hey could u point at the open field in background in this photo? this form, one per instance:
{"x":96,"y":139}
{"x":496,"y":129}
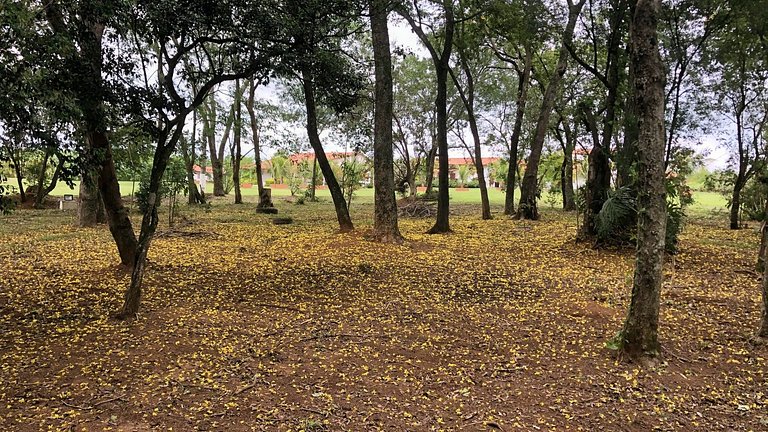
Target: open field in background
{"x":706,"y":203}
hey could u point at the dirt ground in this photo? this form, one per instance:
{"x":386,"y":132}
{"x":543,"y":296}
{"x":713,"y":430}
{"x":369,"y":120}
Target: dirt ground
{"x":246,"y":325}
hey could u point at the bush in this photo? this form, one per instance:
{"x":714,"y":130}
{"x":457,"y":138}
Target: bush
{"x":617,"y":220}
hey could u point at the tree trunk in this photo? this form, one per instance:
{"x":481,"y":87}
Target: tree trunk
{"x":166,"y":145}
{"x":763,"y":242}
{"x":237,"y":150}
{"x":640,"y":332}
{"x":342,"y":211}
{"x":265,"y":200}
{"x":441,"y":62}
{"x":468,"y":99}
{"x":735,"y":210}
{"x":109,"y":189}
{"x":566,"y":172}
{"x":598,"y":176}
{"x":529,"y":190}
{"x":90,"y":210}
{"x":763,"y":332}
{"x":217,"y":152}
{"x":385,"y":227}
{"x":514,"y":145}
{"x":16,"y":161}
{"x":188,"y":152}
{"x":430,"y":170}
{"x":39,"y":195}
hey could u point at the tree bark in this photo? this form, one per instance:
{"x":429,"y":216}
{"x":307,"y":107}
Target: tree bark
{"x":265,"y":200}
{"x":90,"y":210}
{"x":468,"y":99}
{"x":598,"y":176}
{"x":385,"y":228}
{"x":514,"y":145}
{"x":441,"y":62}
{"x":735,"y":209}
{"x":342,"y":211}
{"x":430,"y":170}
{"x":640,"y":332}
{"x":568,"y":143}
{"x":41,"y":180}
{"x":763,"y":332}
{"x":237,"y":151}
{"x":528,"y":208}
{"x":109,"y":189}
{"x":217,"y":151}
{"x":165,"y":148}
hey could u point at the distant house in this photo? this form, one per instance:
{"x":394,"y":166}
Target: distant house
{"x":202,"y":179}
{"x":455,"y":163}
{"x":333,"y":157}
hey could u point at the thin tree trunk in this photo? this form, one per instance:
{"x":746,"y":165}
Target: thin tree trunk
{"x":514,"y":145}
{"x":640,"y":332}
{"x":736,"y":203}
{"x":265,"y":201}
{"x":468,"y":99}
{"x":441,"y":62}
{"x":237,"y":153}
{"x":342,"y":211}
{"x":14,"y":154}
{"x":385,"y":226}
{"x":528,"y":208}
{"x":430,"y":170}
{"x":39,"y":195}
{"x":109,"y":189}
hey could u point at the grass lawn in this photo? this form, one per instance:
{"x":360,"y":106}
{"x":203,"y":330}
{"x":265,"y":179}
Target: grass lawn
{"x":706,"y":203}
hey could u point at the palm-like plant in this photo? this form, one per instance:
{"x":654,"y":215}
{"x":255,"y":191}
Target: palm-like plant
{"x":279,"y":168}
{"x":463,"y":173}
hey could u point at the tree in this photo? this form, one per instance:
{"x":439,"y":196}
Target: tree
{"x":236,"y":150}
{"x":216,"y":151}
{"x":465,"y":41}
{"x":326,"y":76}
{"x":265,"y":200}
{"x":80,"y":30}
{"x":177,"y":37}
{"x":514,"y":31}
{"x":529,"y":188}
{"x":414,"y":118}
{"x":609,"y":76}
{"x":441,"y":59}
{"x":640,"y":333}
{"x":385,"y":211}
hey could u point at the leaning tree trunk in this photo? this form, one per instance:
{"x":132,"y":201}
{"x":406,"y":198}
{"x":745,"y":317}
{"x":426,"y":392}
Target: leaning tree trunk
{"x":514,"y":145}
{"x":41,"y":180}
{"x":430,"y":170}
{"x":385,"y":227}
{"x":468,"y":99}
{"x":165,"y":148}
{"x":237,"y":150}
{"x":265,"y":200}
{"x":342,"y":211}
{"x":640,"y":333}
{"x":529,"y":190}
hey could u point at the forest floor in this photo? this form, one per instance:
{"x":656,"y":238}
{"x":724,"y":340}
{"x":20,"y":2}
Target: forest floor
{"x":246,"y":325}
